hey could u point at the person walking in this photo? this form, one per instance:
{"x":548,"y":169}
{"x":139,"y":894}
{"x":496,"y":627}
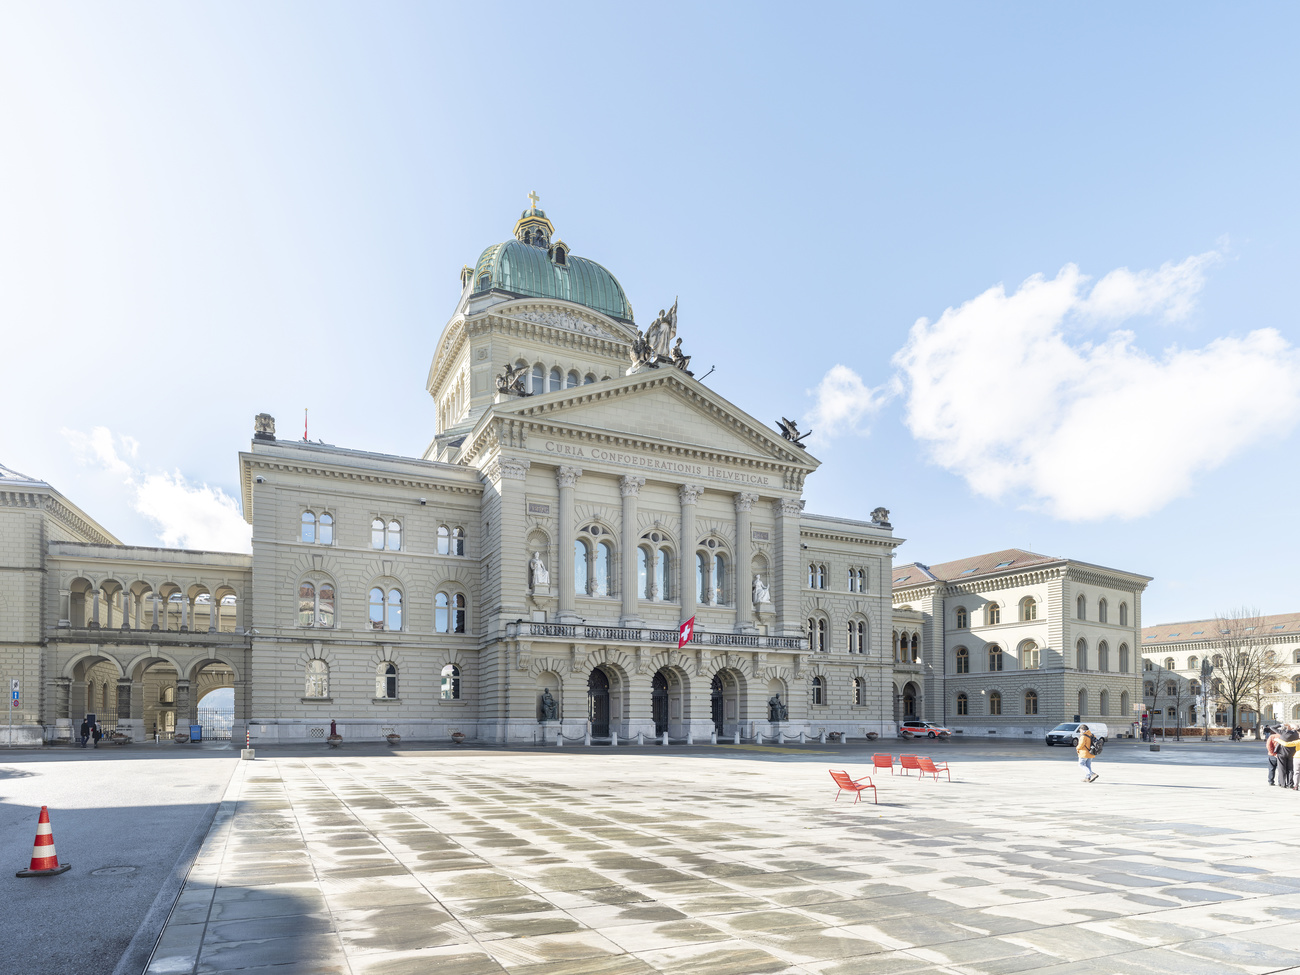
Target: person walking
{"x":1084,"y":750}
{"x":1288,"y":740}
{"x":1271,"y":746}
{"x":85,"y":732}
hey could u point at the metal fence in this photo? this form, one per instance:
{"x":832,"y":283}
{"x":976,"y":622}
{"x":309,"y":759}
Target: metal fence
{"x":216,"y":724}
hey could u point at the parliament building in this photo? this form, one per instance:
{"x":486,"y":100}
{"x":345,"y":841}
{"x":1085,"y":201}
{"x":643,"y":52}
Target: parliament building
{"x":528,"y":575}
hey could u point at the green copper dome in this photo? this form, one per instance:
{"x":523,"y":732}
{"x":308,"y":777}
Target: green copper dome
{"x":534,"y":267}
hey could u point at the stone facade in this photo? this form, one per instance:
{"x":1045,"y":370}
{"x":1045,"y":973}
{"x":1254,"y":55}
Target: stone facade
{"x":1013,"y":643}
{"x":545,"y":548}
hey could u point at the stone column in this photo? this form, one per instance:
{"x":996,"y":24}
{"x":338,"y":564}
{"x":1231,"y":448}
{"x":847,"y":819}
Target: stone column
{"x":743,"y":570}
{"x":123,"y":698}
{"x":139,"y":611}
{"x":566,"y":477}
{"x":183,"y":716}
{"x":631,"y":486}
{"x":185,"y":613}
{"x":156,"y":599}
{"x":786,"y":588}
{"x":126,"y":610}
{"x":65,"y":607}
{"x":94,"y":610}
{"x":688,"y":494}
{"x":212,"y":614}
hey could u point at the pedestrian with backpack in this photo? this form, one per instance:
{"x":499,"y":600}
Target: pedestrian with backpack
{"x":1085,"y":750}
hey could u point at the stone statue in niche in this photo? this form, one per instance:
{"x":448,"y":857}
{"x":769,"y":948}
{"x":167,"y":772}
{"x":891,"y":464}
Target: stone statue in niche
{"x":790,"y":430}
{"x":541,"y":576}
{"x":512,"y":380}
{"x":550,"y":706}
{"x":761,"y":592}
{"x":776,"y":709}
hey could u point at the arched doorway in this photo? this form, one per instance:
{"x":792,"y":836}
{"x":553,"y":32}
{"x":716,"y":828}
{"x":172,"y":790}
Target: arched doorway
{"x":598,"y":702}
{"x":659,"y":701}
{"x":910,"y":694}
{"x":715,"y":703}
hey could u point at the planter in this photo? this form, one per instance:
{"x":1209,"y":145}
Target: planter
{"x":393,"y":739}
{"x":457,"y":737}
{"x":334,"y":741}
{"x":182,"y":737}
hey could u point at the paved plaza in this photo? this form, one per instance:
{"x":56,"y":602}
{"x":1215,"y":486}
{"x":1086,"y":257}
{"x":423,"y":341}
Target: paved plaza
{"x":719,"y":860}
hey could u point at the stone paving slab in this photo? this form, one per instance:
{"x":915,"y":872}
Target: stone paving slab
{"x":736,"y":861}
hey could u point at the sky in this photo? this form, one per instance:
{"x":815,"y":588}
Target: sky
{"x":1026,"y":270}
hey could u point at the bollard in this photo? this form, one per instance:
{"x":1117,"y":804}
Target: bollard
{"x":844,"y":738}
{"x":823,"y":736}
{"x":780,"y":737}
{"x":586,"y":737}
{"x":801,"y":738}
{"x":737,"y":738}
{"x":246,"y":754}
{"x":665,"y":739}
{"x":713,"y":738}
{"x":690,"y":740}
{"x":1155,"y":748}
{"x":640,"y":737}
{"x":613,"y":739}
{"x":559,"y":737}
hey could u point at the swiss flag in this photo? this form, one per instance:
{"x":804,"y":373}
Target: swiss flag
{"x":684,"y":632}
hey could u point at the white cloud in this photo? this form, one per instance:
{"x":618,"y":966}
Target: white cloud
{"x":1084,"y":430}
{"x":843,"y":403}
{"x":187,"y":515}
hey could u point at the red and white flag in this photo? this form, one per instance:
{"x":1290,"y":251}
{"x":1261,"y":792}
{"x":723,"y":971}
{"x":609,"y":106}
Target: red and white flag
{"x":684,"y":632}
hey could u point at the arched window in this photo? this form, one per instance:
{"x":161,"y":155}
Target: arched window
{"x":538,"y":378}
{"x":857,"y":642}
{"x":572,"y":379}
{"x":557,"y":380}
{"x":995,"y":703}
{"x":818,"y":691}
{"x":444,"y":540}
{"x":822,"y":577}
{"x":1081,"y":654}
{"x":316,"y":605}
{"x":992,"y":614}
{"x":1103,"y":703}
{"x":1083,"y":702}
{"x":1031,"y":702}
{"x":995,"y":658}
{"x":859,"y":692}
{"x":963,"y":618}
{"x":1193,"y":663}
{"x":1028,"y":609}
{"x":816,"y":634}
{"x":702,"y":577}
{"x":1169,"y":663}
{"x":963,"y":705}
{"x":1029,"y":657}
{"x":483,"y":281}
{"x":1146,"y":664}
{"x":663,"y":574}
{"x":168,"y":694}
{"x":1101,"y":611}
{"x":963,"y":660}
{"x":377,"y":533}
{"x":1218,"y":660}
{"x":645,"y":572}
{"x":1171,"y":688}
{"x":326,"y":534}
{"x":1149,"y":689}
{"x":1081,"y":607}
{"x":385,"y":609}
{"x":386,"y":535}
{"x":450,"y":683}
{"x":1123,"y":614}
{"x":720,"y":580}
{"x":1295,"y":684}
{"x":588,"y":379}
{"x":394,"y":536}
{"x":386,"y":681}
{"x":1103,"y":656}
{"x":449,"y":611}
{"x":318,"y":679}
{"x":308,"y":526}
{"x":812,"y":576}
{"x":603,"y":576}
{"x":862,"y":636}
{"x":1194,"y":688}
{"x":1123,"y":703}
{"x":1123,"y":658}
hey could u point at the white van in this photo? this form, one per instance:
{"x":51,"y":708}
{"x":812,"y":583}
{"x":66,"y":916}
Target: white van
{"x":1067,"y":732}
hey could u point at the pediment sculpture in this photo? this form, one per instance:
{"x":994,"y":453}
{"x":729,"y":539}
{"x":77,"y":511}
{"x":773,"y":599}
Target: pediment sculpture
{"x":790,"y":430}
{"x":655,"y":346}
{"x":512,"y":380}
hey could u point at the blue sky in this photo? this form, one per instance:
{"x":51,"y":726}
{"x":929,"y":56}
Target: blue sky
{"x":212,"y":210}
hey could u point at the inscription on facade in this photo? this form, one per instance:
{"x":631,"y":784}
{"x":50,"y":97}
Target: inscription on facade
{"x":653,"y":463}
{"x":537,"y":508}
{"x":760,"y":536}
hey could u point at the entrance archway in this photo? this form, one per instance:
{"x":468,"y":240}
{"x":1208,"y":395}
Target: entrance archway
{"x":910,"y":694}
{"x":598,"y":702}
{"x":727,"y":697}
{"x":659,"y":701}
{"x":715,"y":703}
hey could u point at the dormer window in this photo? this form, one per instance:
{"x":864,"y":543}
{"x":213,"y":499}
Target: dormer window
{"x":560,"y":254}
{"x":483,"y":281}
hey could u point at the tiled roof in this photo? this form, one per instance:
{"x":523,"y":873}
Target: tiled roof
{"x":1008,"y":560}
{"x":1283,"y":624}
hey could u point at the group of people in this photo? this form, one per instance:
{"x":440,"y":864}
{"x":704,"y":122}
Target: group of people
{"x":1281,"y":741}
{"x":89,"y":730}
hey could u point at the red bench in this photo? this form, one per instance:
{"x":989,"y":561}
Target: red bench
{"x":847,"y":784}
{"x":906,"y":762}
{"x":928,"y":767}
{"x":883,"y":761}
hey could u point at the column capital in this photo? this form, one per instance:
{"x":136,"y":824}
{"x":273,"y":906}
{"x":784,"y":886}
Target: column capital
{"x":787,"y":506}
{"x":631,"y":485}
{"x":690,"y":493}
{"x":567,"y":476}
{"x":745,"y":501}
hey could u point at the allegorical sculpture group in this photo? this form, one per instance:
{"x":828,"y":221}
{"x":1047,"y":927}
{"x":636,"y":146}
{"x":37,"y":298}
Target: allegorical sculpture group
{"x":656,"y":346}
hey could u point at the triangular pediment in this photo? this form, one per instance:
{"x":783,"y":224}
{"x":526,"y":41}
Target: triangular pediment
{"x":659,"y":407}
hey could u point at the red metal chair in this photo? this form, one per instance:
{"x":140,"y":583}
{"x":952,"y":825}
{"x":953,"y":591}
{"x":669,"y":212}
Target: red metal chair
{"x":928,"y":767}
{"x":883,"y":761}
{"x":847,"y":784}
{"x":906,"y":762}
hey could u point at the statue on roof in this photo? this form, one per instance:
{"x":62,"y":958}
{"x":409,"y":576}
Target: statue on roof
{"x":790,"y":430}
{"x":512,"y":380}
{"x":680,"y":359}
{"x":659,"y":336}
{"x":654,"y":347}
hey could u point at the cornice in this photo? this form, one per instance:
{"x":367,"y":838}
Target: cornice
{"x":255,"y":462}
{"x":821,"y":534}
{"x":51,"y":504}
{"x":1027,"y":577}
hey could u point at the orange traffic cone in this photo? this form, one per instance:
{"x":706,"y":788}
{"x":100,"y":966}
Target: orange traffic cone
{"x":45,"y":862}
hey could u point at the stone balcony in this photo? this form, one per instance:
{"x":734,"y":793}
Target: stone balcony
{"x":643,"y":635}
{"x":170,"y":638}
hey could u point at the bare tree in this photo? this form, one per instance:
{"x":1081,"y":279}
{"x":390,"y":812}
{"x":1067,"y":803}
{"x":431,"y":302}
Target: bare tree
{"x":1178,"y":691}
{"x":1247,"y":664}
{"x":1152,"y":679}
